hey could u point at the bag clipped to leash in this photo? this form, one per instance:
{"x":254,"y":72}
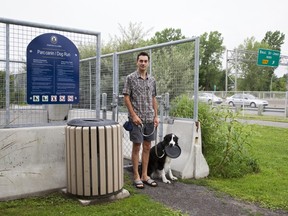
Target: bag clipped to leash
{"x":128,"y":126}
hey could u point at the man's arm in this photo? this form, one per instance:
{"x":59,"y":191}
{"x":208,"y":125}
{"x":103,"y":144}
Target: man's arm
{"x":155,"y":107}
{"x":136,"y":120}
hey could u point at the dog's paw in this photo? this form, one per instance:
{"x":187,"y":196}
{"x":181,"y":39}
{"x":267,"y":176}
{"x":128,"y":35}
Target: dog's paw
{"x":174,"y":178}
{"x":167,"y":181}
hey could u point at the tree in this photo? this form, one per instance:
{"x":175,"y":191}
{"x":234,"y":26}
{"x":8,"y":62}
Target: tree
{"x":274,"y":39}
{"x":280,"y":83}
{"x":166,"y":35}
{"x":171,"y":63}
{"x":211,"y":51}
{"x":254,"y":77}
{"x":130,"y":37}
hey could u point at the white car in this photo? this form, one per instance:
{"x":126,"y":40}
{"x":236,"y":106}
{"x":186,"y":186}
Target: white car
{"x":209,"y":98}
{"x":246,"y":100}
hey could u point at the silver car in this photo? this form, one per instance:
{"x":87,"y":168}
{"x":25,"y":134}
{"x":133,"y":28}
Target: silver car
{"x":209,"y":98}
{"x":246,"y":100}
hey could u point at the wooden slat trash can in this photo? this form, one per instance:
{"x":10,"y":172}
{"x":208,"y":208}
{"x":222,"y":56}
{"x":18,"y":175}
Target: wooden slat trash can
{"x":94,"y":158}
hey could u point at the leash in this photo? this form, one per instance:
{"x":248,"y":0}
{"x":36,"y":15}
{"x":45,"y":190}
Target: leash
{"x":157,"y":152}
{"x":142,"y":130}
{"x":146,"y":135}
{"x":156,"y":148}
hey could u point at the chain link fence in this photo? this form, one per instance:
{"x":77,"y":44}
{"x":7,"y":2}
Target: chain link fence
{"x":175,"y":66}
{"x":172,"y":64}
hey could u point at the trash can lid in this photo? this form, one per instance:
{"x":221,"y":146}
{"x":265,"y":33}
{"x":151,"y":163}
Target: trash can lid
{"x":90,"y":122}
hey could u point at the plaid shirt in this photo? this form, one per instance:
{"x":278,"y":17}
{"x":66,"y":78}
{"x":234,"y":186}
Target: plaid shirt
{"x":141,"y":93}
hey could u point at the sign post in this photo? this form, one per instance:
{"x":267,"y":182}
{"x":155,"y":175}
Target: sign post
{"x":268,"y":57}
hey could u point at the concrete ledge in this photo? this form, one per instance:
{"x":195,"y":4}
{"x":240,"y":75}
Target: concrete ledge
{"x":31,"y":160}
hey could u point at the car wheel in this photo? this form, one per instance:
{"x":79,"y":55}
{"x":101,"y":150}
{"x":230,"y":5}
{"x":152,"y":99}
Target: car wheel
{"x":253,"y":105}
{"x":231,"y":103}
{"x":209,"y":102}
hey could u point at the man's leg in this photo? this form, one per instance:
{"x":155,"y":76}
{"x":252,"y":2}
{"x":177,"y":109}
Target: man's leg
{"x":145,"y":159}
{"x":135,"y":160}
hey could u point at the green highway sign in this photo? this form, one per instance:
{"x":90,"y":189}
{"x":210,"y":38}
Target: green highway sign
{"x":268,"y":57}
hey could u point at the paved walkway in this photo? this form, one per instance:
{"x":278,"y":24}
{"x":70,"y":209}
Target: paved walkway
{"x":197,"y":200}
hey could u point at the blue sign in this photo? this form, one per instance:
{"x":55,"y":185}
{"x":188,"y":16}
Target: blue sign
{"x":52,"y":70}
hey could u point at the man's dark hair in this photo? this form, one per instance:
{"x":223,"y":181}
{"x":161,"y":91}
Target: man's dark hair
{"x":143,"y":54}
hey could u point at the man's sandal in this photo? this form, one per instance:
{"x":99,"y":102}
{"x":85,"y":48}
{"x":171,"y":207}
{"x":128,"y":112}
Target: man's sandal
{"x":150,"y":182}
{"x":138,"y":184}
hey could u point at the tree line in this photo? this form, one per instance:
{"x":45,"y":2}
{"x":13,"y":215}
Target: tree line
{"x":212,"y":50}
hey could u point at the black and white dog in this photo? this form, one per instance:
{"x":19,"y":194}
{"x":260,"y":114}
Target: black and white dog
{"x":159,"y":161}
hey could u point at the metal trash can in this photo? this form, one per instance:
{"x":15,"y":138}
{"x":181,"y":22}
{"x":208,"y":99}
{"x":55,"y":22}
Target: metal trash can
{"x":94,"y":158}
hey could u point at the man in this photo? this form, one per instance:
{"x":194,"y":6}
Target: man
{"x":140,"y":98}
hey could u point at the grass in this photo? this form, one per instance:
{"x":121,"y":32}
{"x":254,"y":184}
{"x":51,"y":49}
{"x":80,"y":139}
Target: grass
{"x":268,"y":187}
{"x":58,"y":204}
{"x":55,"y":204}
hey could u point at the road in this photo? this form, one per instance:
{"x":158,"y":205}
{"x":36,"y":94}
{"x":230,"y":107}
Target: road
{"x":265,"y":123}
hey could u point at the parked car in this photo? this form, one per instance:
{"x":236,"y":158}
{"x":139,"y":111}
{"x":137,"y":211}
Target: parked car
{"x":246,"y":100}
{"x":209,"y":98}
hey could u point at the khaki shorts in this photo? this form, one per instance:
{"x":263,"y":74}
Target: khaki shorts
{"x":136,"y":135}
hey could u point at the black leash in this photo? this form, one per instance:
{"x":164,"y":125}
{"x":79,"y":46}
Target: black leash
{"x":142,"y":130}
{"x":147,"y":135}
{"x":156,"y":152}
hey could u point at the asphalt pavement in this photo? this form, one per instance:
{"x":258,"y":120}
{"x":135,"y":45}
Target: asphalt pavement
{"x":265,"y":123}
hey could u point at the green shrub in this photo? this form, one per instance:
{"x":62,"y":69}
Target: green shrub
{"x":225,"y":141}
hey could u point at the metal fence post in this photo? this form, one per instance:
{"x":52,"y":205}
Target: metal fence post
{"x":260,"y":109}
{"x":196,"y":78}
{"x":286,"y":104}
{"x":104,"y":105}
{"x":98,"y":75}
{"x":114,"y":106}
{"x":7,"y":115}
{"x":167,"y":105}
{"x":161,"y":118}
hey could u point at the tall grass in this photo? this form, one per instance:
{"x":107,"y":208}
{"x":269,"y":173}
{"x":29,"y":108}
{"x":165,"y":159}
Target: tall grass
{"x":225,"y":140}
{"x":269,"y":186}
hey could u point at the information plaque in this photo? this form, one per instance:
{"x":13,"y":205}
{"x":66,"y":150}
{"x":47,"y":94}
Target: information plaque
{"x":52,"y":70}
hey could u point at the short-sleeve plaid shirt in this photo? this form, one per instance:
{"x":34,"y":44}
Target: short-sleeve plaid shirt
{"x":141,"y":93}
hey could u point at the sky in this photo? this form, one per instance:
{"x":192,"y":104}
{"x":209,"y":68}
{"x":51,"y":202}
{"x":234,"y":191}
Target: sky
{"x":236,"y":20}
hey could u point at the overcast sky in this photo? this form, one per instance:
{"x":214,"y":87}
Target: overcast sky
{"x":236,"y":20}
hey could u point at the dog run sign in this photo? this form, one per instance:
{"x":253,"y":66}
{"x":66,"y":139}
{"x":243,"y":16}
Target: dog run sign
{"x":52,"y":70}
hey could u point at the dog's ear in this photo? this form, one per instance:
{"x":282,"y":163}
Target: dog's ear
{"x":167,"y":138}
{"x":176,"y":138}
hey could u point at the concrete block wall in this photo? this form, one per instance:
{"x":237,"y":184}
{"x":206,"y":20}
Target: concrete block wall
{"x":32,"y":160}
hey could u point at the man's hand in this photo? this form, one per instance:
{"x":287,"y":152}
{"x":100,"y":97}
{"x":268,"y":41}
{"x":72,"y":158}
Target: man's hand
{"x":136,"y":120}
{"x":156,"y":121}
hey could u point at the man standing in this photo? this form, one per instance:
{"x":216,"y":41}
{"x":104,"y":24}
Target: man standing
{"x":140,"y":98}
